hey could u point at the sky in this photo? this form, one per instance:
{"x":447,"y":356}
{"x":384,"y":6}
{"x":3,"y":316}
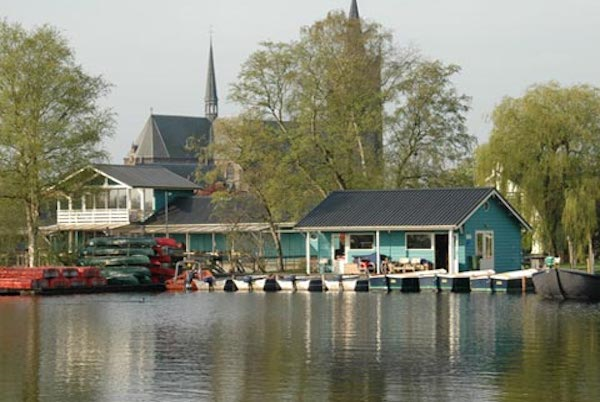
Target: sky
{"x":155,"y":53}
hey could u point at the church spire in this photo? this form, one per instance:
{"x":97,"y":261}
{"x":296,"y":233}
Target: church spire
{"x":353,"y":15}
{"x":211,"y":101}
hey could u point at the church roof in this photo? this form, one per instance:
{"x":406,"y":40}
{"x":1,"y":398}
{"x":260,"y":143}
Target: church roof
{"x":165,"y":136}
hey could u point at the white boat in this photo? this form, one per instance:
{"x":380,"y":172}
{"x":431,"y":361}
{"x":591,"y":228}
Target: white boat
{"x":286,"y":283}
{"x":349,"y":282}
{"x":461,"y":282}
{"x":242,"y":284}
{"x":303,"y":283}
{"x":521,"y":273}
{"x":513,"y":281}
{"x":333,"y":284}
{"x":201,"y":284}
{"x":219,"y":284}
{"x":258,"y":283}
{"x":432,"y":272}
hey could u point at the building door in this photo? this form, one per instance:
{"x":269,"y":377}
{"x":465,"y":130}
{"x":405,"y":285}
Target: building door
{"x":484,"y":249}
{"x":441,"y":251}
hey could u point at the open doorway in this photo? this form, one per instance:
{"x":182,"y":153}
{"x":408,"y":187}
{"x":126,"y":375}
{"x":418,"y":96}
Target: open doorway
{"x":441,"y":251}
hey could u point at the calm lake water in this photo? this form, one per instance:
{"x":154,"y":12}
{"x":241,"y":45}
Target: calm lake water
{"x":309,"y":347}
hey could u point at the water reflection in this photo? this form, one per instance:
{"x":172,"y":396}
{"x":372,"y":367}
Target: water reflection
{"x":262,"y":346}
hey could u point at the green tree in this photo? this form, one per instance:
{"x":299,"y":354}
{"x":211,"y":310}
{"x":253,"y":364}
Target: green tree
{"x":50,"y":119}
{"x":429,"y":145}
{"x":318,"y":111}
{"x":270,"y":188}
{"x":324,"y":93}
{"x":343,"y":90}
{"x":545,"y":146}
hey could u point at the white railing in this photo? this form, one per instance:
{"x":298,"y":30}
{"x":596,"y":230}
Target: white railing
{"x":94,"y":216}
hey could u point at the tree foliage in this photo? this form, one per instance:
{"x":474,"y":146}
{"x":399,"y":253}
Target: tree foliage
{"x":318,"y":111}
{"x":429,"y":144}
{"x":50,"y":120}
{"x":343,"y":90}
{"x":545,"y":145}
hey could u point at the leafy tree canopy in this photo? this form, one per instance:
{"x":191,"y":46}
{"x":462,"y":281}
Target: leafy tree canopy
{"x":50,"y":121}
{"x":545,"y":145}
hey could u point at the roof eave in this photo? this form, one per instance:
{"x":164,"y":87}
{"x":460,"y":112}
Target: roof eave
{"x":504,"y":202}
{"x":375,"y":228}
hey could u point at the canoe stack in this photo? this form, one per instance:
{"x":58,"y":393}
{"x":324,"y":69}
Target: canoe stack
{"x":121,"y":260}
{"x":48,"y":278}
{"x":167,"y":253}
{"x":133,"y":260}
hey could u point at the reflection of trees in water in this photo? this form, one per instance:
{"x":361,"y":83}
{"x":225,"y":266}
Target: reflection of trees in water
{"x":19,"y":349}
{"x":347,"y":346}
{"x":560,"y":359}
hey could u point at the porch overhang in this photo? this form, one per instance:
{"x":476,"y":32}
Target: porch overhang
{"x":84,"y":227}
{"x":211,"y":228}
{"x":376,"y":228}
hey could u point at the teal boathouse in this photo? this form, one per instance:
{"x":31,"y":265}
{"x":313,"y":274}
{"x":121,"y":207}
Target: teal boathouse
{"x":457,"y":229}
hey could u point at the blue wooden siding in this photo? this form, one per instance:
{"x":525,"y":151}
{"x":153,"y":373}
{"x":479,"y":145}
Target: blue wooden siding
{"x":507,"y":236}
{"x":324,"y":246}
{"x":293,"y":245}
{"x":201,"y":242}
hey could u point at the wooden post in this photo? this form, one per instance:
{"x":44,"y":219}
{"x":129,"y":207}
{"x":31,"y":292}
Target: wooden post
{"x":377,"y":253}
{"x":307,"y":253}
{"x":451,"y":266}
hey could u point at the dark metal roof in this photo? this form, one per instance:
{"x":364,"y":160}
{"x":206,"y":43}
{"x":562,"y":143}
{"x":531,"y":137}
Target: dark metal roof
{"x":185,"y":170}
{"x":200,"y":210}
{"x":395,"y":208}
{"x":146,"y":176}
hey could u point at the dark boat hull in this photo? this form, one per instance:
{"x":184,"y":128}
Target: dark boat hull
{"x":567,"y":284}
{"x":455,"y":284}
{"x":512,"y":285}
{"x":403,"y":284}
{"x":481,"y":284}
{"x":379,"y":282}
{"x":429,"y":282}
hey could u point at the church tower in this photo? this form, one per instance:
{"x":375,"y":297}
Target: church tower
{"x":211,"y":101}
{"x":353,"y":14}
{"x":369,"y":68}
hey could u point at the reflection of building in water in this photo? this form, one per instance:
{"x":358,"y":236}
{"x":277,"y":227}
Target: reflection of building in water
{"x":453,"y":328}
{"x":84,"y":343}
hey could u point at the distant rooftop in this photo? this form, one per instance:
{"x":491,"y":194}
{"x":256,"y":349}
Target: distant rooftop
{"x":146,"y":176}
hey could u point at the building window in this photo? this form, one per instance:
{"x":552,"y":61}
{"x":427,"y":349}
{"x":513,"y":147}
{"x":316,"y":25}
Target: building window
{"x":361,"y":241}
{"x":136,"y":199}
{"x":89,"y":201}
{"x":419,"y":241}
{"x":117,"y":199}
{"x":148,"y":199}
{"x":102,"y":200}
{"x":76,"y":202}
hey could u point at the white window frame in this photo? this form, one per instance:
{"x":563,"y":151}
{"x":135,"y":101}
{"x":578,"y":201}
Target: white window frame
{"x":493,"y":243}
{"x":431,"y":240}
